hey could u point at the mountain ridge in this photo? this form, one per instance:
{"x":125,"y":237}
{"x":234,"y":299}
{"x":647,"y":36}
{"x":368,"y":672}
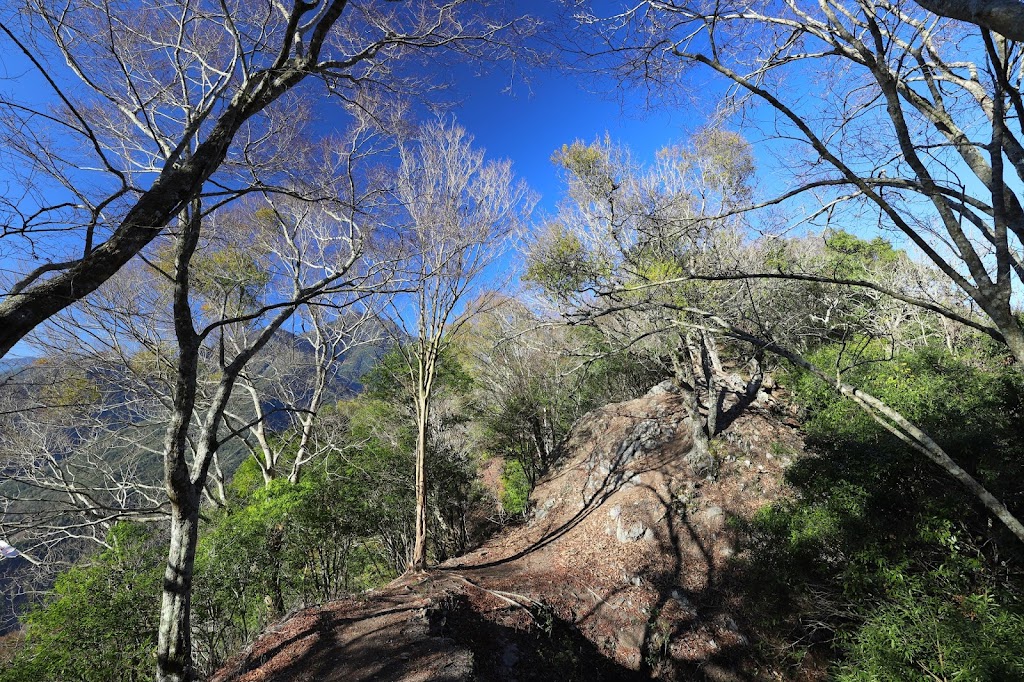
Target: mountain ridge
{"x":626,"y":563}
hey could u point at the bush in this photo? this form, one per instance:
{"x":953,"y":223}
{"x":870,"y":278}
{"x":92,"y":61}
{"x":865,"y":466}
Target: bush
{"x":924,"y":631}
{"x":515,"y":488}
{"x":281,"y":546}
{"x":879,"y":557}
{"x":101,"y":623}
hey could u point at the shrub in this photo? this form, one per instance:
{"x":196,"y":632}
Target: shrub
{"x":101,"y":623}
{"x":515,"y":488}
{"x":878,"y":556}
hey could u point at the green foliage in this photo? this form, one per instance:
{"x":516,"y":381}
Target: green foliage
{"x":228,"y":267}
{"x":532,"y":420}
{"x":246,"y":481}
{"x":726,"y":161}
{"x":850,"y":257}
{"x":613,"y":376}
{"x":657,"y":269}
{"x":899,"y":570}
{"x":71,"y":390}
{"x":515,"y":488}
{"x":344,"y":527}
{"x":101,"y":622}
{"x":920,"y":385}
{"x":284,"y":544}
{"x":390,"y":379}
{"x":588,"y":162}
{"x":928,"y":629}
{"x":560,"y":264}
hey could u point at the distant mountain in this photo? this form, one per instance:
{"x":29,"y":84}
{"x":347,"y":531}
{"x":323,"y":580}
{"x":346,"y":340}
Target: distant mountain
{"x":137,"y":441}
{"x":12,"y":365}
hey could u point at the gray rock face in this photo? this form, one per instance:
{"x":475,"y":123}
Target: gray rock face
{"x":664,"y":387}
{"x":648,"y":435}
{"x":614,"y":469}
{"x":702,"y":464}
{"x":630,"y":532}
{"x":713,"y":514}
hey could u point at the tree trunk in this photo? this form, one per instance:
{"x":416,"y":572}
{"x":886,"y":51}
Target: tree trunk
{"x":1002,"y":16}
{"x":712,"y":367}
{"x":699,"y":458}
{"x":174,"y":640}
{"x":1013,"y":335}
{"x":174,"y":644}
{"x":275,"y":600}
{"x":539,"y":445}
{"x":419,"y":552}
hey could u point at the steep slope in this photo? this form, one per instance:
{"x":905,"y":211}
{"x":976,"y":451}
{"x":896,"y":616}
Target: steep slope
{"x":625,"y":570}
{"x":131,"y":439}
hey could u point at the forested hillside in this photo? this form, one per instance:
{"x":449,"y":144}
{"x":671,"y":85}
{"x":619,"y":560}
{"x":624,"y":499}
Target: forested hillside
{"x":300,"y":381}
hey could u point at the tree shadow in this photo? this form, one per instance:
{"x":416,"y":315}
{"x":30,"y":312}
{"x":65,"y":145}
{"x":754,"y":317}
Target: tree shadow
{"x":551,"y":649}
{"x":676,"y":613}
{"x":679,"y":613}
{"x":313,"y":649}
{"x":622,"y":470}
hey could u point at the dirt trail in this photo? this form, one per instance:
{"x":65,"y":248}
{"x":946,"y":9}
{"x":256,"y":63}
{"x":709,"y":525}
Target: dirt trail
{"x":622,"y":572}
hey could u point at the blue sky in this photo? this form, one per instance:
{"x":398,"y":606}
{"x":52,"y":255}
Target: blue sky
{"x":553,"y":109}
{"x":522,"y":117}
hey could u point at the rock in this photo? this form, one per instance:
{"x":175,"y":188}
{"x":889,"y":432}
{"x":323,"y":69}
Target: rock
{"x":630,"y":533}
{"x":615,"y":511}
{"x":702,"y":464}
{"x":714,"y":518}
{"x":648,"y":434}
{"x":665,"y":387}
{"x":626,"y":451}
{"x":713,"y":512}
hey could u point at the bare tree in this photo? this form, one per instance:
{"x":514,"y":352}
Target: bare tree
{"x":891,"y":420}
{"x":315,"y":254}
{"x":64,"y":417}
{"x":622,"y":225}
{"x":458,"y":214}
{"x":526,"y":385}
{"x":155,"y":105}
{"x":185,"y":340}
{"x":300,"y":373}
{"x":914,"y":121}
{"x":606,"y":263}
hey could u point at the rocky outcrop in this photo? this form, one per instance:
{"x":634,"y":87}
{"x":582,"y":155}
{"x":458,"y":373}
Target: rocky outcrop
{"x":622,"y":570}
